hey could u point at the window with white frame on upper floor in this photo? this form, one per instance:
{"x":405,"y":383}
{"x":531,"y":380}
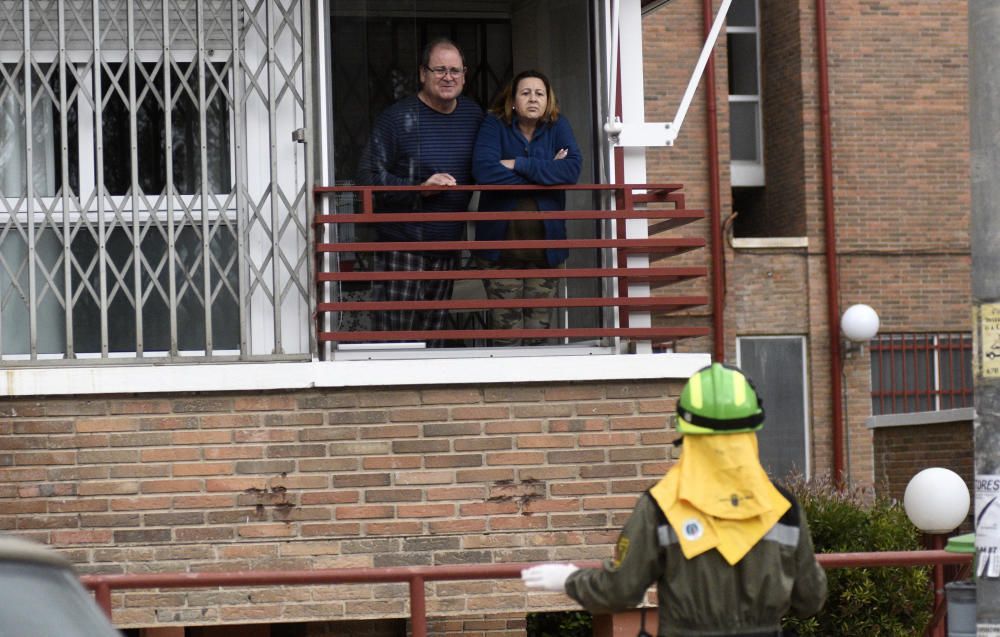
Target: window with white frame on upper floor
{"x":745,"y":119}
{"x":921,"y":372}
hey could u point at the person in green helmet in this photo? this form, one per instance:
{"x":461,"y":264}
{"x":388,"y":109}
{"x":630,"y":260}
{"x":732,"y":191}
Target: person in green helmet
{"x":730,"y":552}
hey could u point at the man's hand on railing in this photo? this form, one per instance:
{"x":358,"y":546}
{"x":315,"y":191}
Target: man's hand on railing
{"x":548,"y":577}
{"x":438,"y":179}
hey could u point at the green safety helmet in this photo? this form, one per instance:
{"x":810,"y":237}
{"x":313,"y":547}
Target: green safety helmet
{"x":719,"y":399}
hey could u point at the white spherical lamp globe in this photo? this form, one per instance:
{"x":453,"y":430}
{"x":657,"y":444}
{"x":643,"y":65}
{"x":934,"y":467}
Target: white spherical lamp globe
{"x":936,"y":500}
{"x":859,"y":323}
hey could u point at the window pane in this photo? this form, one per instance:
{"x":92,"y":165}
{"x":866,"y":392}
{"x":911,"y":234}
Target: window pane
{"x":14,"y":293}
{"x":741,"y":52}
{"x":115,"y":130}
{"x":742,"y":13}
{"x":151,"y":131}
{"x":903,"y":374}
{"x":911,"y":380}
{"x":776,"y":367}
{"x":743,"y":131}
{"x":188,"y":264}
{"x":46,"y":132}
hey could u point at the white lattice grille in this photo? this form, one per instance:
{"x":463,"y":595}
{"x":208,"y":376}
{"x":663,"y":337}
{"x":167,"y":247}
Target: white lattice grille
{"x":152,"y":202}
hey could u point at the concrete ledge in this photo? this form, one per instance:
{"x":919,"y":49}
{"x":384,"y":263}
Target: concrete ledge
{"x":764,"y":243}
{"x":963,"y":414}
{"x":204,"y":377}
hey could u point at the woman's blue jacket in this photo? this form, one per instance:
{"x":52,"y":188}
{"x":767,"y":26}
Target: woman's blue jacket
{"x":534,"y":163}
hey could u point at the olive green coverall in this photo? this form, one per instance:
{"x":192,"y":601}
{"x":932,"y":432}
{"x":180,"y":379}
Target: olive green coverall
{"x":705,"y":596}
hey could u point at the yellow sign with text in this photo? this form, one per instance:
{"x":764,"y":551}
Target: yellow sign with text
{"x":986,"y":340}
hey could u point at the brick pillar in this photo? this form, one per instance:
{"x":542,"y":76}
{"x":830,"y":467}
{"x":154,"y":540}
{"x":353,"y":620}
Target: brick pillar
{"x":625,"y":624}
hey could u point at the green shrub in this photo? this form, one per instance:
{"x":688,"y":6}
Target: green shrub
{"x":568,"y":624}
{"x":872,"y":602}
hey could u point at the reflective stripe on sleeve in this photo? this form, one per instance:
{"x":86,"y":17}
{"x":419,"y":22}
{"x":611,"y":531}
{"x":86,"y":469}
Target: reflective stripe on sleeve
{"x":666,"y":536}
{"x":785,"y":534}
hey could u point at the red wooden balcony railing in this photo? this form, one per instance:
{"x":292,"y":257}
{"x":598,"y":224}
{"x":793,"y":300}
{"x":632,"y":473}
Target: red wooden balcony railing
{"x":659,"y":208}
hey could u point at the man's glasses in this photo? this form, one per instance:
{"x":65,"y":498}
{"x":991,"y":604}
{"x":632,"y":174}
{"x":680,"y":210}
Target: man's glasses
{"x":441,"y":71}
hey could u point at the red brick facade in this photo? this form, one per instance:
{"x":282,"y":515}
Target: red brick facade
{"x":332,"y":479}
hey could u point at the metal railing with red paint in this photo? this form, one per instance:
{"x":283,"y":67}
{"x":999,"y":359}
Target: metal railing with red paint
{"x":658,"y":209}
{"x":417,"y":576}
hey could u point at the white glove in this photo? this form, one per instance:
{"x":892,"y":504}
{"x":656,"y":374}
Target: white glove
{"x":548,"y":577}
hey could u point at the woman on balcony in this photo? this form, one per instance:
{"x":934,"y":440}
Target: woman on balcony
{"x":524,"y":141}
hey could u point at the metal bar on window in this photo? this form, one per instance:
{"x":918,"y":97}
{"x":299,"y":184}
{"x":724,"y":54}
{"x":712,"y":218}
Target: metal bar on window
{"x":959,"y":391}
{"x":880,"y":381}
{"x":892,"y":375}
{"x":946,"y":391}
{"x":67,"y":254}
{"x":965,"y":344}
{"x":29,"y":182}
{"x":239,"y":179}
{"x":934,"y":372}
{"x":943,"y":349}
{"x":133,"y":149}
{"x":102,"y":253}
{"x":929,"y":391}
{"x":922,"y":352}
{"x":889,"y":375}
{"x":206,"y":228}
{"x":310,"y":177}
{"x":168,"y":149}
{"x":273,"y":144}
{"x":910,"y":375}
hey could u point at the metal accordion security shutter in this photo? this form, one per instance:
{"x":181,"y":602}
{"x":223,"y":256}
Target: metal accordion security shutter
{"x":153,"y":202}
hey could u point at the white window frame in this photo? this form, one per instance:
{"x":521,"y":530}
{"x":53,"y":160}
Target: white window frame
{"x":746,"y":173}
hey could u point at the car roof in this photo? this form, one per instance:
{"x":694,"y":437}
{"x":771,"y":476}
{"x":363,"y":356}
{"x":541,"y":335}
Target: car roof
{"x":15,"y":549}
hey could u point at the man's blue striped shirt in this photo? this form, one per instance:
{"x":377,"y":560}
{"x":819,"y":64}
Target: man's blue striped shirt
{"x":409,"y":143}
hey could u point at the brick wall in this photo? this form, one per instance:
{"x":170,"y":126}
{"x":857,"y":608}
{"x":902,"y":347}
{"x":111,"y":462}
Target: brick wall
{"x":332,"y":479}
{"x":781,"y":95}
{"x":902,"y":452}
{"x":899,"y":122}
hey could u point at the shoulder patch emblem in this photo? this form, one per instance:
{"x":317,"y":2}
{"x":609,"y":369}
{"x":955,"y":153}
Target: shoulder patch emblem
{"x":621,"y":550}
{"x":692,"y":529}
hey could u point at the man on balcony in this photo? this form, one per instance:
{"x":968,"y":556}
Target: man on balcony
{"x":422,"y":140}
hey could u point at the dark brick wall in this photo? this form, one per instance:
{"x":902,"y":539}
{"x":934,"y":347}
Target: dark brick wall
{"x":902,"y":452}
